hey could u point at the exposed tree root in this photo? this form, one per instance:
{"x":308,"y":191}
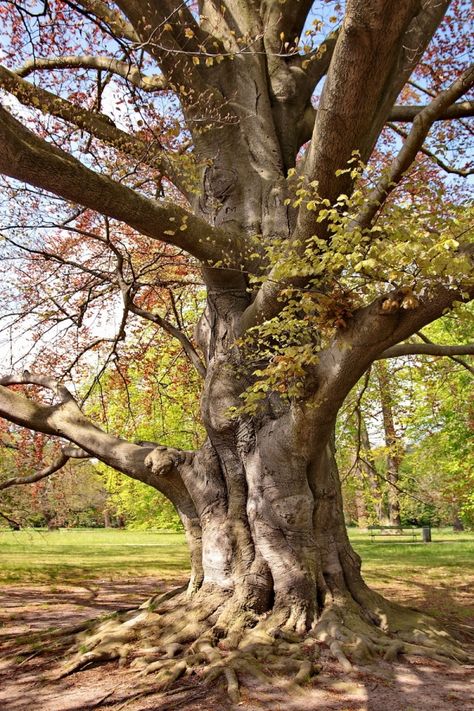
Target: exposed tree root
{"x":209,"y":636}
{"x":351,"y":635}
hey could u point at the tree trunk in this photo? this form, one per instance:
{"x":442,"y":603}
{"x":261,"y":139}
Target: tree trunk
{"x":360,"y":505}
{"x":376,"y":496}
{"x":260,"y":501}
{"x":273,"y":531}
{"x":392,"y":442}
{"x":369,"y":498}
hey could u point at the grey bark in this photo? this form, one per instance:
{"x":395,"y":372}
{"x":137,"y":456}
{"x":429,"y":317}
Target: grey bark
{"x":260,"y":500}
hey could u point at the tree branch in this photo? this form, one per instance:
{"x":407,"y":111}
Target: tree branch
{"x":429,"y":15}
{"x":287,"y":17}
{"x":98,"y":125}
{"x":444,"y":166}
{"x":124,"y":69}
{"x":43,"y":381}
{"x":186,"y":344}
{"x":62,"y":459}
{"x":28,"y":158}
{"x":174,"y":39}
{"x":293,"y":75}
{"x":371,"y":332}
{"x":9,"y":445}
{"x":401,"y":114}
{"x":318,"y":65}
{"x":365,"y":98}
{"x":433,"y":349}
{"x":348,"y":117}
{"x":459,"y":361}
{"x":407,"y":114}
{"x":348,"y":111}
{"x":11,"y":521}
{"x":113,"y":19}
{"x":66,"y":420}
{"x":413,"y":143}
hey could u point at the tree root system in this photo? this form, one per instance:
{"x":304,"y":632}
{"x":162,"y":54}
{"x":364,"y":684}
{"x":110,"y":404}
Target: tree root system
{"x":210,"y":636}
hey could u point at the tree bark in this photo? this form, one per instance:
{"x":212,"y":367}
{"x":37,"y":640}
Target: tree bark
{"x":392,"y":442}
{"x":261,"y":500}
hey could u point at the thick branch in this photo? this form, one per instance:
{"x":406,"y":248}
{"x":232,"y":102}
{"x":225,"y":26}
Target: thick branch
{"x":312,"y":68}
{"x":433,"y":349}
{"x":356,"y":100}
{"x":113,"y":19}
{"x":43,"y":381}
{"x":66,"y":420}
{"x":98,"y":125}
{"x":169,"y":33}
{"x":163,"y":468}
{"x":28,"y":158}
{"x":287,"y":17}
{"x":413,"y":143}
{"x":429,"y":15}
{"x":400,"y":114}
{"x":371,"y":35}
{"x":370,"y":333}
{"x":407,"y":114}
{"x":293,"y":78}
{"x":316,"y":64}
{"x":124,"y":69}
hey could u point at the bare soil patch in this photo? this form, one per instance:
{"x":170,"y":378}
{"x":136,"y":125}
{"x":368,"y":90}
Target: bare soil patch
{"x":411,"y":684}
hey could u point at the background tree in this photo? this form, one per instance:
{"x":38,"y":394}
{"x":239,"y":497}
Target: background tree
{"x":431,"y":415}
{"x":73,"y":496}
{"x":314,"y":267}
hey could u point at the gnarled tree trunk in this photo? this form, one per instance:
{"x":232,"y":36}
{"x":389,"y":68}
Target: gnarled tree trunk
{"x":260,"y":501}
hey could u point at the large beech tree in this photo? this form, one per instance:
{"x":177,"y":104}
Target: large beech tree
{"x":264,"y":185}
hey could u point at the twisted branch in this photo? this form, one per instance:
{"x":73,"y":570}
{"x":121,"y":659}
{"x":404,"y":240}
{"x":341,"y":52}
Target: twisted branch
{"x":65,"y":455}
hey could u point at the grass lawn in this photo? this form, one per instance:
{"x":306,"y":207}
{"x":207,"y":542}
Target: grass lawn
{"x":74,"y":555}
{"x":436,"y":577}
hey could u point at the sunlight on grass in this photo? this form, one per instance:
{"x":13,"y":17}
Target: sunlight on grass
{"x":73,"y":555}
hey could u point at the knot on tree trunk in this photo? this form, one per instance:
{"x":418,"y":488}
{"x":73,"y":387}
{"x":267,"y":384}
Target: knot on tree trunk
{"x":162,"y":460}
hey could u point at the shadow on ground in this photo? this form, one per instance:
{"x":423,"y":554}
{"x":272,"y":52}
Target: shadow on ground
{"x":413,"y":684}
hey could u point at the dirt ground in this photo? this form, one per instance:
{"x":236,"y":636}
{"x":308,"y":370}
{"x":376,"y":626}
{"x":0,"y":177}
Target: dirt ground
{"x":413,"y":684}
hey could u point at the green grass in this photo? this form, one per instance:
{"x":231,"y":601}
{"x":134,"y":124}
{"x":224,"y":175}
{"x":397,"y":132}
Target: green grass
{"x":449,"y":554}
{"x":72,"y":556}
